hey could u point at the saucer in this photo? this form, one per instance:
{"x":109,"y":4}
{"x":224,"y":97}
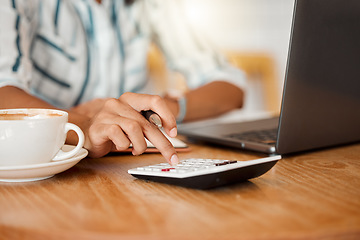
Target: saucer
{"x":35,"y":172}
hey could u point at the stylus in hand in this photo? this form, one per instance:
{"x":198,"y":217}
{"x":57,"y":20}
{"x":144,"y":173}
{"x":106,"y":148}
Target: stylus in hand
{"x":152,"y":117}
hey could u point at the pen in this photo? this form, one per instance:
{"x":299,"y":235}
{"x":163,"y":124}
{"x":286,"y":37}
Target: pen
{"x":152,"y":117}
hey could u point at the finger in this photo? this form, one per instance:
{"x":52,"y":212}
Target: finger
{"x":123,"y":131}
{"x":118,"y":137}
{"x":129,"y":120}
{"x":121,"y":109}
{"x":134,"y":132}
{"x":103,"y":138}
{"x":157,"y":138}
{"x":114,"y":107}
{"x":153,"y":102}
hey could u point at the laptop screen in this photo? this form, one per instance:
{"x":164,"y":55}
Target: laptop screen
{"x":321,"y":98}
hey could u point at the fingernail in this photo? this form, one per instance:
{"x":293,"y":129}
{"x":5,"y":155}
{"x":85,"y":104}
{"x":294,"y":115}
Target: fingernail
{"x":173,"y":132}
{"x":174,"y":160}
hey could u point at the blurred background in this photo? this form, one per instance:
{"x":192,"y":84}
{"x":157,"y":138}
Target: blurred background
{"x":254,"y":35}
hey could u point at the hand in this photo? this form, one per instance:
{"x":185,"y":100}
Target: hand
{"x":119,"y":124}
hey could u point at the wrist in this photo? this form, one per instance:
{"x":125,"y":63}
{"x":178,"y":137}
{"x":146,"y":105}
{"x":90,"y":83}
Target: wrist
{"x":177,"y":106}
{"x":82,"y":121}
{"x":182,"y":109}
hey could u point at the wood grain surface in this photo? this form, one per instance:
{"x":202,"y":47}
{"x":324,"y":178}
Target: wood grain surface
{"x":314,"y":195}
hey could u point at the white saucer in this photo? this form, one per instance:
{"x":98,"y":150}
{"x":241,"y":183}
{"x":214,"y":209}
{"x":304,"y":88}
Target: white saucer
{"x":27,"y":173}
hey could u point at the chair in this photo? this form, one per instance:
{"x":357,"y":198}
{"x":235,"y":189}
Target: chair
{"x":259,"y":68}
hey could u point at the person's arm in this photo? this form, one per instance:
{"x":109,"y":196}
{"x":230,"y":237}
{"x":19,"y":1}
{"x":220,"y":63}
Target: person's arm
{"x":115,"y":126}
{"x":209,"y":100}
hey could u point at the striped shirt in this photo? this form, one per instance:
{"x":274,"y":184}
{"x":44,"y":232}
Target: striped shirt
{"x":71,"y":51}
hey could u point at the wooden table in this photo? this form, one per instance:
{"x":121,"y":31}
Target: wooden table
{"x":313,"y":195}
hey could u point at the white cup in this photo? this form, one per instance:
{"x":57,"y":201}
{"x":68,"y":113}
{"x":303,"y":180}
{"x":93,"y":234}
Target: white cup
{"x":33,"y":136}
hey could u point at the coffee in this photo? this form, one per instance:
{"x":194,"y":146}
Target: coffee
{"x":23,"y":116}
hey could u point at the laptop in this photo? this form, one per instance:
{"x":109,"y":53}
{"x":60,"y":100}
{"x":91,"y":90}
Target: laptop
{"x":321,"y":94}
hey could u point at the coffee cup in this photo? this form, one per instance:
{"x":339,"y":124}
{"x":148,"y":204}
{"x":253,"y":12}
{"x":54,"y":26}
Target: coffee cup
{"x":34,"y":136}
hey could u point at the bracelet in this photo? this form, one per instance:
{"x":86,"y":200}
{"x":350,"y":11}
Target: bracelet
{"x":182,"y":110}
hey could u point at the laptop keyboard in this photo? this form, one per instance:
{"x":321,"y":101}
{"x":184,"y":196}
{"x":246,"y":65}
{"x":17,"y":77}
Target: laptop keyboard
{"x":267,"y":136}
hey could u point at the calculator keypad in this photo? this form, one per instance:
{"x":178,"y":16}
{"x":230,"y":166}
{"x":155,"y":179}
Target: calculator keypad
{"x":188,"y":165}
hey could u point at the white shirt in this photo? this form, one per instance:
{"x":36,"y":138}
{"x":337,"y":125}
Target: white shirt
{"x":71,"y":51}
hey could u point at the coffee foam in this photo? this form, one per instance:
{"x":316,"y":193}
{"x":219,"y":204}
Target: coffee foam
{"x":27,"y":116}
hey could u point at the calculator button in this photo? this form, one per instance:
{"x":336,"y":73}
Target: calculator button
{"x":163,"y":164}
{"x":166,"y":169}
{"x":183,"y":169}
{"x":221,"y":164}
{"x":156,"y":166}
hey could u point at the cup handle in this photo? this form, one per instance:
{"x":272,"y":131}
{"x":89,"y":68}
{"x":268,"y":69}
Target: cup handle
{"x":61,"y":155}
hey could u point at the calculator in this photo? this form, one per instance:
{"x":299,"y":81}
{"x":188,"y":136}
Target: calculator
{"x":204,"y":173}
